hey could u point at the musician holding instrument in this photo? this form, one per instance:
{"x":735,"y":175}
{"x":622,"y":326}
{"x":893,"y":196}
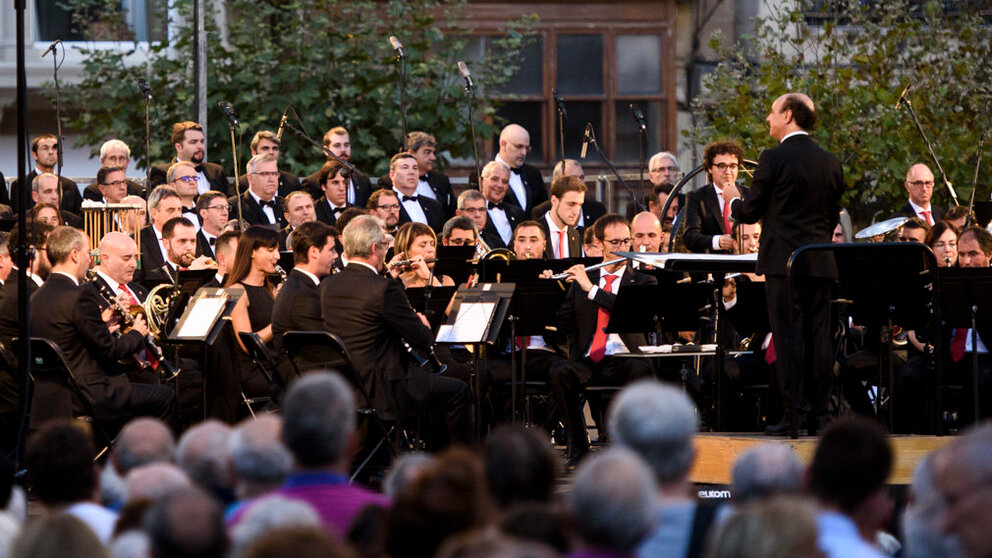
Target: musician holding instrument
{"x":179,"y":241}
{"x":371,"y":315}
{"x":415,"y":254}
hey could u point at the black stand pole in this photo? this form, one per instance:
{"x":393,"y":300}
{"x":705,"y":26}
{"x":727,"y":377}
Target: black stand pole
{"x":642,"y":138}
{"x":148,"y":146}
{"x":402,"y":69}
{"x":348,"y":166}
{"x":616,"y":173}
{"x":919,"y":128}
{"x":974,"y":184}
{"x":470,"y":89}
{"x":560,"y":105}
{"x":237,"y":178}
{"x":21,"y":252}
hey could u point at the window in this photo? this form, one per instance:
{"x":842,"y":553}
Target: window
{"x":101,"y":20}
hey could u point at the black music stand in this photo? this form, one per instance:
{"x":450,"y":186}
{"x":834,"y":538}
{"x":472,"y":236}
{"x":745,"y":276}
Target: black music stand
{"x":983,"y":213}
{"x":432,"y":302}
{"x":963,"y":294}
{"x":455,"y":262}
{"x":886,"y":283}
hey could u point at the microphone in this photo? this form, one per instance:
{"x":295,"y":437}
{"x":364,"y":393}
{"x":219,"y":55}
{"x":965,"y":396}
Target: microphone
{"x":560,"y":101}
{"x":586,"y":138}
{"x":51,"y":48}
{"x":639,"y":117}
{"x":282,"y":124}
{"x":397,"y":46}
{"x":902,"y":96}
{"x":463,"y":69}
{"x":144,"y":88}
{"x":228,"y":111}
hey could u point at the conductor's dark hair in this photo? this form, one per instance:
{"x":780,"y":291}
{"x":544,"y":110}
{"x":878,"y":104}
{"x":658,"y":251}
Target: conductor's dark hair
{"x":851,"y":462}
{"x":804,"y":116}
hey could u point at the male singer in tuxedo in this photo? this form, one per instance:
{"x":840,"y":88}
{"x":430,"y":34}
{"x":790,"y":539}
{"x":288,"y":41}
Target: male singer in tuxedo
{"x":338,"y":142}
{"x":298,"y":208}
{"x":45,"y":152}
{"x":502,"y":217}
{"x":585,"y":315}
{"x":796,"y":193}
{"x":163,"y":205}
{"x":591,"y":209}
{"x":562,"y":240}
{"x":403,"y":170}
{"x":526,"y":183}
{"x":372,"y":316}
{"x":114,"y":153}
{"x":190,"y":145}
{"x":707,"y":218}
{"x":213,"y":210}
{"x":259,"y":204}
{"x":182,"y":177}
{"x":265,"y":142}
{"x":70,"y":316}
{"x":384,"y":204}
{"x":37,"y":273}
{"x":919,"y":185}
{"x":431,"y":183}
{"x":44,"y":189}
{"x":333,"y":182}
{"x":297,"y":306}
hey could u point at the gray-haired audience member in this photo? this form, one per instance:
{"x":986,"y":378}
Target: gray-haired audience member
{"x":923,"y":519}
{"x":491,"y":544}
{"x":142,"y":441}
{"x":186,"y":524}
{"x":204,"y":453}
{"x":765,"y":471}
{"x":964,"y":478}
{"x":266,"y":514}
{"x":261,"y":461}
{"x":612,"y":503}
{"x":152,"y":481}
{"x":776,"y":527}
{"x":404,"y":470}
{"x":659,"y":422}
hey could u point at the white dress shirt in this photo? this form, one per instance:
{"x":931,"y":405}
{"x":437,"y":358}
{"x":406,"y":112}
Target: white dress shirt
{"x":517,"y":185}
{"x":270,"y":213}
{"x":424,"y":189}
{"x":561,"y":251}
{"x":413,"y":208}
{"x":502,"y":223}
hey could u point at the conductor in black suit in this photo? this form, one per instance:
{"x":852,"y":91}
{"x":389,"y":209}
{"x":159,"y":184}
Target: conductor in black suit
{"x":44,"y":151}
{"x":333,"y":182}
{"x":297,"y":306}
{"x":502,"y":217}
{"x":338,"y":142}
{"x":372,"y":316}
{"x":190,"y":145}
{"x":796,"y":193}
{"x":259,"y":203}
{"x":266,"y":142}
{"x":584,"y":316}
{"x":707,"y":219}
{"x":70,"y":315}
{"x":561,"y":239}
{"x":431,"y":183}
{"x":919,"y":185}
{"x":415,"y":208}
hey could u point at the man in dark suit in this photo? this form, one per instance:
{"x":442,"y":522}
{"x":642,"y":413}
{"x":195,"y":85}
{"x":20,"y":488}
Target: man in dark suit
{"x":259,"y":203}
{"x":502,"y":217}
{"x":266,"y":142}
{"x":796,"y":193}
{"x":213,"y":211}
{"x":591,"y":209}
{"x":163,"y":205}
{"x":333,"y":182}
{"x":183,"y":179}
{"x":44,"y":189}
{"x":338,"y":142}
{"x":431,"y":183}
{"x":297,"y":306}
{"x":38,"y":272}
{"x":413,"y":207}
{"x":114,"y":153}
{"x":584,"y":316}
{"x":44,"y":150}
{"x":188,"y":140}
{"x":298,"y":209}
{"x":69,"y":315}
{"x":562,"y":240}
{"x":526,"y":183}
{"x":707,"y":219}
{"x":372,"y":316}
{"x":919,"y":184}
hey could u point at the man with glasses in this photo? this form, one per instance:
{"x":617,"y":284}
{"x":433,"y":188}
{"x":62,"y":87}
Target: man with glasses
{"x":416,"y":208}
{"x":182,"y":177}
{"x":527,"y":188}
{"x":385,"y":205}
{"x":259,"y":205}
{"x":919,"y":184}
{"x":213,"y":210}
{"x":502,"y":216}
{"x":663,"y":168}
{"x":592,"y":351}
{"x":190,"y":146}
{"x":266,"y":142}
{"x":708,"y":226}
{"x":459,"y":231}
{"x":114,"y":153}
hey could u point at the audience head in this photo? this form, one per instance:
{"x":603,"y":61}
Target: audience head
{"x":57,"y":536}
{"x":59,"y":464}
{"x":403,"y":471}
{"x":488,"y":544}
{"x":765,"y":471}
{"x":154,"y":480}
{"x":775,"y":528}
{"x":520,"y":466}
{"x":266,"y":515}
{"x":542,"y":522}
{"x":297,"y":542}
{"x":850,"y":464}
{"x":964,"y":478}
{"x":261,"y":461}
{"x":142,"y":441}
{"x":319,"y":417}
{"x":926,"y":512}
{"x":204,"y":454}
{"x":186,"y":524}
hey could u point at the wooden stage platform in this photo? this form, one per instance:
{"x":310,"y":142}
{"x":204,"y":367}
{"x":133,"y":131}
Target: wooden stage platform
{"x":716,"y":453}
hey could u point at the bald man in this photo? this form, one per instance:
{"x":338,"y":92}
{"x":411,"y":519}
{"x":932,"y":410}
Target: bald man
{"x":920,"y":184}
{"x":796,"y":193}
{"x":526,"y":183}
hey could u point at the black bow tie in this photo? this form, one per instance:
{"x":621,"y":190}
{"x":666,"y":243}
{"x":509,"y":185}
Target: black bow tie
{"x":212,"y":240}
{"x":189,"y":210}
{"x":495,"y":205}
{"x":423,"y":178}
{"x":270,"y":203}
{"x":336,"y":210}
{"x":198,"y":168}
{"x":515,"y":169}
{"x":408,"y":198}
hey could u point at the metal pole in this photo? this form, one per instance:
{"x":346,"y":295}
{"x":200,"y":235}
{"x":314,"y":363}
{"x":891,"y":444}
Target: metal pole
{"x":200,"y":65}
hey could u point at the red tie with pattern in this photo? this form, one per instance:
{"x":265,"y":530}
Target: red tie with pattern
{"x":926,"y":217}
{"x":727,"y":226}
{"x":958,"y":345}
{"x":561,"y":244}
{"x":598,"y":348}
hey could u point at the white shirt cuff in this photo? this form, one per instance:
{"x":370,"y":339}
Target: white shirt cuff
{"x":716,"y":242}
{"x":592,"y":292}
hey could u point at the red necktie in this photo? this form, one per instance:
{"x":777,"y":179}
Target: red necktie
{"x":561,"y":244}
{"x":727,"y":226}
{"x":958,"y":345}
{"x":133,"y":301}
{"x":926,"y":217}
{"x":523,"y":341}
{"x":770,"y":355}
{"x":598,"y":348}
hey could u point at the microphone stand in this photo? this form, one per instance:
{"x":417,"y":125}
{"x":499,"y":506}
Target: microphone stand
{"x":638,"y":203}
{"x":58,"y":121}
{"x":470,"y":89}
{"x":974,"y":184}
{"x":642,"y":139}
{"x":233,"y":124}
{"x":560,"y":105}
{"x":148,"y":147}
{"x":402,"y":70}
{"x":348,"y":166}
{"x":950,"y":189}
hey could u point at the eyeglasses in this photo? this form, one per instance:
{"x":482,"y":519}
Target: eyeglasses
{"x":618,"y":242}
{"x":390,"y":207}
{"x":219,"y":207}
{"x":187,"y":178}
{"x":473,"y":210}
{"x":665,"y":169}
{"x":118,"y":183}
{"x":922,"y":183}
{"x":951,"y":244}
{"x":724,"y":167}
{"x":270,"y":174}
{"x":461,"y":241}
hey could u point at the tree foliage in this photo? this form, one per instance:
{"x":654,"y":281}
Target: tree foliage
{"x":328,"y":59}
{"x":855,"y":65}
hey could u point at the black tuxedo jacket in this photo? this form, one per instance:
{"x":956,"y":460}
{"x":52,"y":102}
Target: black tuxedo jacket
{"x":92,"y":192}
{"x":296,"y":308}
{"x":71,"y":200}
{"x":796,"y":193}
{"x":9,"y":323}
{"x":440,"y":184}
{"x":361,"y":182}
{"x":573,"y":237}
{"x":203,"y":246}
{"x":324,"y":213}
{"x":703,"y":219}
{"x":372,"y":316}
{"x":578,"y":315}
{"x":288,"y":183}
{"x":489,"y":233}
{"x":537,"y":192}
{"x":591,"y":210}
{"x":253,"y":211}
{"x":151,"y":256}
{"x":432,"y":210}
{"x":70,"y":317}
{"x":907,"y":211}
{"x":215,"y":174}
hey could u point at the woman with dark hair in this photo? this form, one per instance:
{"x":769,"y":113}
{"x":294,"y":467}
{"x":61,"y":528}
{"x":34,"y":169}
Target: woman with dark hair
{"x":417,"y":242}
{"x":942,"y":238}
{"x":254,"y":262}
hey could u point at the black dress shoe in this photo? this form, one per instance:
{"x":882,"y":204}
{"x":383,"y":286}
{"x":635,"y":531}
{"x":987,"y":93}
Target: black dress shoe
{"x":575,"y":458}
{"x":783,"y":427}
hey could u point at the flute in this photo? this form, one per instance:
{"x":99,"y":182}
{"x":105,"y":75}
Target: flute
{"x":404,"y":263}
{"x":561,"y":276}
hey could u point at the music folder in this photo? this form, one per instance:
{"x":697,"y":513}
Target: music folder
{"x":477,"y":314}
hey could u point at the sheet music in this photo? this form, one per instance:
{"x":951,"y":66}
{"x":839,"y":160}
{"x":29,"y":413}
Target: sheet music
{"x":202,"y":316}
{"x":470,"y":324}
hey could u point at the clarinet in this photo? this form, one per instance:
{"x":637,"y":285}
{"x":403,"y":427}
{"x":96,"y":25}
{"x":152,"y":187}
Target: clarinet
{"x":167,"y":372}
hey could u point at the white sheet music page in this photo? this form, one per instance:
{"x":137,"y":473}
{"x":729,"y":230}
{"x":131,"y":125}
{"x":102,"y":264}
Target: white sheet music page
{"x":202,"y":316}
{"x":470,"y":324}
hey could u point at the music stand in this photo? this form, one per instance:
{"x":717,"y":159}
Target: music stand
{"x":435,"y":307}
{"x":455,"y":262}
{"x":983,"y":213}
{"x":963,"y":294}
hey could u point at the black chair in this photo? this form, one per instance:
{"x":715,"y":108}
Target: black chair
{"x":322,"y":350}
{"x":260,"y":355}
{"x":54,"y":382}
